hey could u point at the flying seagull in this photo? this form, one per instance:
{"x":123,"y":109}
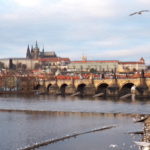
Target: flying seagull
{"x":139,"y":12}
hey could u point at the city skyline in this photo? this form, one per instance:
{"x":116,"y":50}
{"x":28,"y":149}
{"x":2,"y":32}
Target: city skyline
{"x":72,"y":28}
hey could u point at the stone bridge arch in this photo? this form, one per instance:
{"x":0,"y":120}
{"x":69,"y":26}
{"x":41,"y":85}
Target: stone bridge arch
{"x":109,"y":82}
{"x":87,"y":82}
{"x":126,"y":84}
{"x":122,"y":82}
{"x":81,"y":88}
{"x":40,"y":89}
{"x":60,"y":83}
{"x":126,"y":88}
{"x":37,"y":87}
{"x":48,"y":87}
{"x":63,"y":89}
{"x":102,"y":88}
{"x":86,"y":88}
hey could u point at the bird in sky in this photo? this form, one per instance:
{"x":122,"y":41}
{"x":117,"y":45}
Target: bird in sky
{"x":139,"y":12}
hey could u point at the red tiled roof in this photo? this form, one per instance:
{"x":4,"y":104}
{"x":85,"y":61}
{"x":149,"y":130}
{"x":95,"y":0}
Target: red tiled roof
{"x":131,"y":62}
{"x":102,"y":61}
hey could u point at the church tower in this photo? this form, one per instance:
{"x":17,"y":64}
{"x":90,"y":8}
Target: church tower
{"x":42,"y":53}
{"x":142,"y":60}
{"x":28,"y":53}
{"x":32,"y":52}
{"x":36,"y":45}
{"x":36,"y":51}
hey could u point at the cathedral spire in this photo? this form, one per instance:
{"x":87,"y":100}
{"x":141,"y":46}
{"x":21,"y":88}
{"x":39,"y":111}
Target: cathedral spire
{"x":36,"y":45}
{"x":28,"y":54}
{"x":28,"y":48}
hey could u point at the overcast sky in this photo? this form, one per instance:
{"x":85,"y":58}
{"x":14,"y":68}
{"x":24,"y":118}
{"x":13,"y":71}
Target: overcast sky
{"x":98,"y":29}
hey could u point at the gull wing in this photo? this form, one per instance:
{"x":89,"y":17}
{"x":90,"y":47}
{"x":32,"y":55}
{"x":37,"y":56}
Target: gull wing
{"x":133,"y":14}
{"x":144,"y":11}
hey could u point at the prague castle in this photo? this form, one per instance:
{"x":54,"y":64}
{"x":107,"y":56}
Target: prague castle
{"x":48,"y":60}
{"x":35,"y":59}
{"x":34,"y":53}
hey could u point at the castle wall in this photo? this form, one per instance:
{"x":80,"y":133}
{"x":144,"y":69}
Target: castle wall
{"x":98,"y":65}
{"x":30,"y":63}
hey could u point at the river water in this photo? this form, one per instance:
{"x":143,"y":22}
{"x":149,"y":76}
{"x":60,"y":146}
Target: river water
{"x":26,"y":120}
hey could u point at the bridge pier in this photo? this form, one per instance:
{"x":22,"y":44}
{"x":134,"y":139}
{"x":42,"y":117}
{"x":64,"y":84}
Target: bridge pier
{"x":112,"y":91}
{"x":89,"y":90}
{"x":142,"y":91}
{"x":86,"y":90}
{"x":70,"y":90}
{"x":53,"y":90}
{"x":42,"y":90}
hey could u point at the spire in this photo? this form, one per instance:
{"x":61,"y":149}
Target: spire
{"x":36,"y":45}
{"x":28,"y":54}
{"x":28,"y":47}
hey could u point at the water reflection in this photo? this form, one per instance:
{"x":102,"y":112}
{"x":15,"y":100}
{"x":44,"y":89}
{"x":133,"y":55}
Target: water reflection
{"x":52,"y":103}
{"x":21,"y":129}
{"x":27,"y":120}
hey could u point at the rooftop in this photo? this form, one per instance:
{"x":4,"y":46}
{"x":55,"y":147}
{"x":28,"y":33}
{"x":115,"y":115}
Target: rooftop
{"x":96,"y":61}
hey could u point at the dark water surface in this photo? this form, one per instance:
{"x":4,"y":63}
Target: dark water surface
{"x":75,"y":104}
{"x":19,"y":129}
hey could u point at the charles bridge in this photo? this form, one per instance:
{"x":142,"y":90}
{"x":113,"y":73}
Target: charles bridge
{"x":103,"y":87}
{"x":110,"y":87}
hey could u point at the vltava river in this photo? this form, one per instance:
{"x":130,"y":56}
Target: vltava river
{"x":25,"y":121}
